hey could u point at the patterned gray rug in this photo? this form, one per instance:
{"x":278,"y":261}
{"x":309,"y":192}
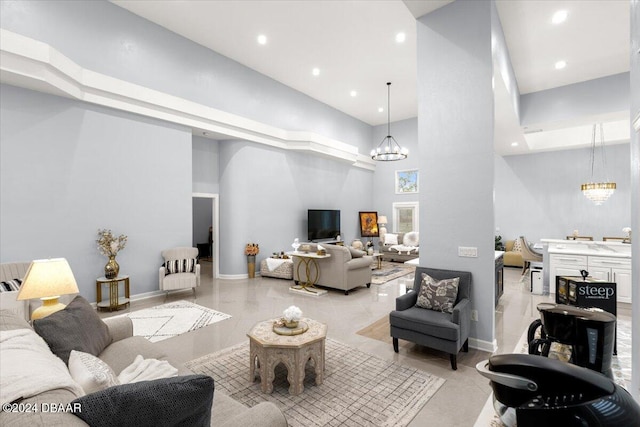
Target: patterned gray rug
{"x":358,"y":389}
{"x":390,"y":271}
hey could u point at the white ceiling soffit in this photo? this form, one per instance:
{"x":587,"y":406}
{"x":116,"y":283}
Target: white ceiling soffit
{"x":564,"y":137}
{"x":419,"y":8}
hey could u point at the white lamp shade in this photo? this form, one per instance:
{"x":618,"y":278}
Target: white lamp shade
{"x":382,"y":219}
{"x":48,"y":278}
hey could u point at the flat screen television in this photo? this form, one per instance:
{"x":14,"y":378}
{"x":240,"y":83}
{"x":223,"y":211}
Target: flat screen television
{"x":323,"y":224}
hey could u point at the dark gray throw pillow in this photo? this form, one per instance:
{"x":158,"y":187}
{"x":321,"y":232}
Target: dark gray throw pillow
{"x":177,"y":401}
{"x":76,"y":327}
{"x":438,"y":295}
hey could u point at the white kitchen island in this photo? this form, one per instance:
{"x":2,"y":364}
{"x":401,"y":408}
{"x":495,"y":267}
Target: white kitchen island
{"x":610,"y":261}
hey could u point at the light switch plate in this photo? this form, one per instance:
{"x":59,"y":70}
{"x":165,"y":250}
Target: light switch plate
{"x":467,"y":252}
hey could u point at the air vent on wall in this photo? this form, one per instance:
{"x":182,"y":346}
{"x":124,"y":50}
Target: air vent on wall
{"x":528,"y":131}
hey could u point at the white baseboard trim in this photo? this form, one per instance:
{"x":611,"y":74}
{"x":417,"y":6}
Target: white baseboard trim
{"x":487,"y":346}
{"x":234,"y":276}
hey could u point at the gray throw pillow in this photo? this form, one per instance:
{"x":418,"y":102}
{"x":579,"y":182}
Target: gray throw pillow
{"x":76,"y":327}
{"x":177,"y":401}
{"x":356,"y":253}
{"x":438,"y":295}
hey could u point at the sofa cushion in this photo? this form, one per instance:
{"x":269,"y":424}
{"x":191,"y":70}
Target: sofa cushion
{"x":356,"y":253}
{"x":438,"y":295}
{"x":76,"y":327}
{"x":10,"y":285}
{"x":180,"y":265}
{"x":10,"y":320}
{"x":428,"y":322}
{"x":176,"y":401}
{"x":90,"y":372}
{"x":517,"y":246}
{"x":390,"y":239}
{"x":411,"y":238}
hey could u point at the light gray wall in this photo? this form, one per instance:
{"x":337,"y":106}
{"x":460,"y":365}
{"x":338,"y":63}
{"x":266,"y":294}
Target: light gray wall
{"x":265,"y":193}
{"x":105,"y":38}
{"x":538,"y":195}
{"x":202,"y":214}
{"x":406,"y":133}
{"x":68,"y":169}
{"x":635,"y":194}
{"x":502,"y":62}
{"x":206,"y":166}
{"x":455,"y":133}
{"x":598,"y":96}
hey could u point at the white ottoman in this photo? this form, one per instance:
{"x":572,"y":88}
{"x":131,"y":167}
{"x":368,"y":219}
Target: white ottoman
{"x":278,"y":268}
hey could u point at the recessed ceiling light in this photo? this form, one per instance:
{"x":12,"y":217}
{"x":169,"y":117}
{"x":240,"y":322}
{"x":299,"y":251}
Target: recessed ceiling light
{"x":559,"y":17}
{"x":401,"y":37}
{"x":380,"y":110}
{"x":315,"y":71}
{"x":560,"y":65}
{"x":353,"y":93}
{"x":262,"y":39}
{"x":514,"y":144}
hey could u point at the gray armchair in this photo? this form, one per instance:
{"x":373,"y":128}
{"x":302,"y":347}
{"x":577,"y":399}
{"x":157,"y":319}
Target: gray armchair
{"x":441,"y":331}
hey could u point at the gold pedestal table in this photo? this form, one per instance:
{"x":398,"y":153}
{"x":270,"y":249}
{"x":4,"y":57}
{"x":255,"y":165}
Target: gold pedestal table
{"x":311,"y":272}
{"x":267,"y":349}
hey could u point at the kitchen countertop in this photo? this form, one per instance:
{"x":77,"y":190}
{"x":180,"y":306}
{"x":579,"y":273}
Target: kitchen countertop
{"x":589,"y":248}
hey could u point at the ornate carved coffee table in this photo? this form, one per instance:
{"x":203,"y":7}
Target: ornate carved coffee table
{"x":269,"y":349}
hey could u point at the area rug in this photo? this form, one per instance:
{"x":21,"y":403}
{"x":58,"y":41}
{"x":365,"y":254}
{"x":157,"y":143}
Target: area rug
{"x":359,"y":389}
{"x":620,"y":367}
{"x":169,"y":320}
{"x":390,"y":271}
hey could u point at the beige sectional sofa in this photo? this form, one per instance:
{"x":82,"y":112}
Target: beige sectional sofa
{"x":346,"y":269}
{"x":119,"y":354}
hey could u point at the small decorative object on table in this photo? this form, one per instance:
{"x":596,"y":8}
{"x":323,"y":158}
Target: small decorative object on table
{"x":251,"y":250}
{"x":296,"y":244}
{"x":305,"y":248}
{"x":291,"y":316}
{"x":369,"y":247}
{"x":321,"y":251}
{"x":109,"y":246}
{"x":627,"y":238}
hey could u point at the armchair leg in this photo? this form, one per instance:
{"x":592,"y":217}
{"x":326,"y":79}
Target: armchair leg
{"x":454,"y":361}
{"x":395,"y":345}
{"x":465,"y":346}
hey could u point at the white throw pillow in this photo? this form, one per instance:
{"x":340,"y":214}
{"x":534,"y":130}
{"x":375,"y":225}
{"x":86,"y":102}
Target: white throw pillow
{"x":90,"y":372}
{"x":411,"y":239}
{"x":390,"y":239}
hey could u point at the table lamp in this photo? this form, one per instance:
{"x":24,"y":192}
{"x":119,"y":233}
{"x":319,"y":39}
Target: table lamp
{"x":382,"y":230}
{"x":47,"y":279}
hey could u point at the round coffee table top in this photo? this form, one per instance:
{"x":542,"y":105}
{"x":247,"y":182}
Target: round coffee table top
{"x":263,"y":333}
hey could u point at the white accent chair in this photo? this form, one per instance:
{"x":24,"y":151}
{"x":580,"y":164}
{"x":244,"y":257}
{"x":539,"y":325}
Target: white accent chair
{"x":175,"y":281}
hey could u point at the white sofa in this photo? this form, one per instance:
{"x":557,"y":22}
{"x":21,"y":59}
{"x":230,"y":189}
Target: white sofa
{"x":118,"y":355}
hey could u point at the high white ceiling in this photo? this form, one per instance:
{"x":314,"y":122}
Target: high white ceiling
{"x":353,"y":44}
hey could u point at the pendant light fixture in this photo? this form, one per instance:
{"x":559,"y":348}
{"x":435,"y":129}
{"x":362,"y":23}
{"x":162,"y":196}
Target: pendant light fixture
{"x":598,"y":192}
{"x":388,"y":149}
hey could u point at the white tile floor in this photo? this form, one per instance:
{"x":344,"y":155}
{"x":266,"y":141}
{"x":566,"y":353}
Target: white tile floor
{"x":457,"y":403}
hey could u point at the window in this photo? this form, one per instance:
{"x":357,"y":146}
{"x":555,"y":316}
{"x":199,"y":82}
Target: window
{"x":405,"y":217}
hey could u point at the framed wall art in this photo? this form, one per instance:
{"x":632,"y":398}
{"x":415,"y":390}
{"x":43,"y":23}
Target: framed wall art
{"x":407,"y":181}
{"x":369,"y":224}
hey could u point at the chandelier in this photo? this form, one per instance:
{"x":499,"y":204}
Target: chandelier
{"x":388,"y":149}
{"x":598,"y":192}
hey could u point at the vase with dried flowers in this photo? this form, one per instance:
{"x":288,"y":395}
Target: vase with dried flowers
{"x":251,"y":250}
{"x":109,"y":246}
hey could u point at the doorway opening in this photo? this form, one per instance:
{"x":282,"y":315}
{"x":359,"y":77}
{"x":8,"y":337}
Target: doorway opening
{"x":206,"y":225}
